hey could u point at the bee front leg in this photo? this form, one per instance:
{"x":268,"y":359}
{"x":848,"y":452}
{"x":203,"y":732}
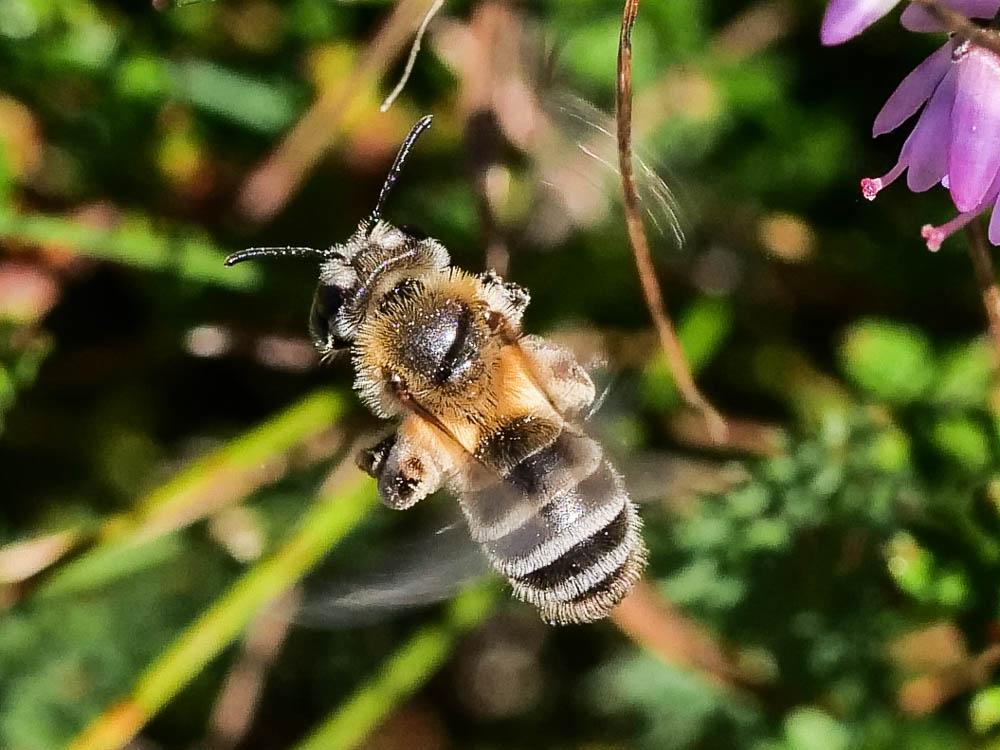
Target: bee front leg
{"x":371,"y":460}
{"x":505,"y":298}
{"x":404,"y":468}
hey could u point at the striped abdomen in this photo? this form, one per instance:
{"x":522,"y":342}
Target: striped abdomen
{"x":558,"y":523}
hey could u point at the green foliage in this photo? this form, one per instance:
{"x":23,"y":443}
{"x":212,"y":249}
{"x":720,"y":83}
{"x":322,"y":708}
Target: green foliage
{"x":893,"y":362}
{"x":64,"y":660}
{"x":677,"y":708}
{"x":137,"y":447}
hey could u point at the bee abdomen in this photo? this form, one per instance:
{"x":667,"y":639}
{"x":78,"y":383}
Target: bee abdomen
{"x":536,"y":460}
{"x":593,"y":575}
{"x":562,"y":528}
{"x":597,"y":602}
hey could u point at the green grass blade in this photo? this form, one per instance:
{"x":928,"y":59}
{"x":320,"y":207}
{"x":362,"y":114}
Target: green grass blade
{"x":221,"y":478}
{"x":401,"y":675}
{"x":329,"y":520}
{"x":134,"y":242}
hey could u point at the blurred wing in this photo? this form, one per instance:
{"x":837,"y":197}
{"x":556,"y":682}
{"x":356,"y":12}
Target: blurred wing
{"x":431,"y":567}
{"x":576,"y":153}
{"x":650,"y":476}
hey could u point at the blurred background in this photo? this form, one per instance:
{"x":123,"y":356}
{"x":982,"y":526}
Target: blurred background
{"x":181,"y":520}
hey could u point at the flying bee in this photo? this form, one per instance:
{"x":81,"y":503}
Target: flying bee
{"x":482,"y":410}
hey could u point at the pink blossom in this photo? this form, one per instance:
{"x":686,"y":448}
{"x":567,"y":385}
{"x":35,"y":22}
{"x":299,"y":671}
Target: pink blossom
{"x":845,"y":19}
{"x":956,"y":139}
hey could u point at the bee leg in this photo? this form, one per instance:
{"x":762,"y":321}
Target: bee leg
{"x":404,"y":469}
{"x":565,"y":382}
{"x":371,"y":460}
{"x":506,"y":298}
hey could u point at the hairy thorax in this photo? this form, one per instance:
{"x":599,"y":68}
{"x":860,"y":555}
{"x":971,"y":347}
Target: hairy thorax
{"x":435,"y":348}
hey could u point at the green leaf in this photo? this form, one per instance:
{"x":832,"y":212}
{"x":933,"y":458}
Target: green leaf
{"x":963,"y":440}
{"x":812,"y":729}
{"x":965,"y":375}
{"x":984,"y":711}
{"x":240,"y":98}
{"x":184,"y":252}
{"x":889,"y":360}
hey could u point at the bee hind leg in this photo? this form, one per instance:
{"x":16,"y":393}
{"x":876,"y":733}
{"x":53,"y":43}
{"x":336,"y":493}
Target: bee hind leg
{"x":403,"y":473}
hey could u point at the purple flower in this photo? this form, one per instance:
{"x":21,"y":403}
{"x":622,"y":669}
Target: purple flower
{"x":845,"y":19}
{"x":956,"y":141}
{"x":935,"y":235}
{"x":974,"y":157}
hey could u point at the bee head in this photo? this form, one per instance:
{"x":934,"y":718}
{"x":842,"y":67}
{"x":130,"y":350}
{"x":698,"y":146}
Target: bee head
{"x":352,"y":272}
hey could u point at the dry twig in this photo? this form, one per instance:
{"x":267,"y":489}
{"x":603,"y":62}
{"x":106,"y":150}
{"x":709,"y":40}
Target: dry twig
{"x":234,"y":709}
{"x":640,"y":244}
{"x":651,"y":621}
{"x":942,"y":667}
{"x":270,"y":185}
{"x":412,"y":59}
{"x":484,"y":54}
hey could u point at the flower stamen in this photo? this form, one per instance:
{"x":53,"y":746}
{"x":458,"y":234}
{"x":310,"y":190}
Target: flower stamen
{"x":872,"y":186}
{"x":934,"y":236}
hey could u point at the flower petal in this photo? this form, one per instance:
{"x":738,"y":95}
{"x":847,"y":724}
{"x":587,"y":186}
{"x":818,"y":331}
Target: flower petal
{"x":915,"y":89}
{"x":993,"y":198}
{"x":995,"y":225}
{"x":845,"y":19}
{"x":975,"y":141}
{"x":927,"y":146}
{"x":916,"y":18}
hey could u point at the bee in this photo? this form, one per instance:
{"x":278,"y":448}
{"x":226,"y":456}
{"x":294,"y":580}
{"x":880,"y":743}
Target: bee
{"x":482,"y":410}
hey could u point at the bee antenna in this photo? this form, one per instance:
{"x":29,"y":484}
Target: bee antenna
{"x":397,"y":166}
{"x":259,"y":252}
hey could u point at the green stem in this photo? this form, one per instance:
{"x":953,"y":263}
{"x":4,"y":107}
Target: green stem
{"x":219,"y":479}
{"x":135,"y":242}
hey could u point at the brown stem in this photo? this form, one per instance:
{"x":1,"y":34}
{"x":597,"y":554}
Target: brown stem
{"x":961,"y":26}
{"x":986,"y":278}
{"x":412,"y":59}
{"x":233,"y":714}
{"x":483,"y":139}
{"x":272,"y":182}
{"x":654,"y":623}
{"x":669,"y":340}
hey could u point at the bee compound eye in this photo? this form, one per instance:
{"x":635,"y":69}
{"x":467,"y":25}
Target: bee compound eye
{"x":326,"y":304}
{"x":411,"y":231}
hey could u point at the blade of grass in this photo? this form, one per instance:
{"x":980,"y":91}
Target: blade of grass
{"x":335,"y":513}
{"x":401,"y":674}
{"x":134,"y":242}
{"x":223,"y":477}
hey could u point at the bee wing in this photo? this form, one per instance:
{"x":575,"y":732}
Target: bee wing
{"x":576,"y":153}
{"x":650,"y":476}
{"x":431,"y":566}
